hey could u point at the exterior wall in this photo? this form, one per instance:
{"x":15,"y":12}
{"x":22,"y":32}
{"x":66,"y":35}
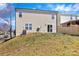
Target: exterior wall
{"x":67,"y":17}
{"x":36,"y":20}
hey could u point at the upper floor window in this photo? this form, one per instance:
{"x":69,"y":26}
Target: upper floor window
{"x":20,"y":14}
{"x":53,"y":17}
{"x":71,"y":18}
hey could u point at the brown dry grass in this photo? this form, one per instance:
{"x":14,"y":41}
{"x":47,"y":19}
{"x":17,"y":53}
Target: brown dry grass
{"x":41,"y":44}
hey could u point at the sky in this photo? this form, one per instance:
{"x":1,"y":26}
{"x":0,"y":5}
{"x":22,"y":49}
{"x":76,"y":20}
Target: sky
{"x":7,"y":11}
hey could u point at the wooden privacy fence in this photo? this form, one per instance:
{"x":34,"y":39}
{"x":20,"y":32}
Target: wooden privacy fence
{"x":74,"y":30}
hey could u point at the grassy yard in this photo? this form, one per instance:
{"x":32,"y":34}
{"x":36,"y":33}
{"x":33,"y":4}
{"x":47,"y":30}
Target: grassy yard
{"x":41,"y":44}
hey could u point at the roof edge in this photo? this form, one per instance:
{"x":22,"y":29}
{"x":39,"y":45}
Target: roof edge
{"x":36,"y":10}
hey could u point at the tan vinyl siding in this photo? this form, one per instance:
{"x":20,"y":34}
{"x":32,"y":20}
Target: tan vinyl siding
{"x":36,"y":19}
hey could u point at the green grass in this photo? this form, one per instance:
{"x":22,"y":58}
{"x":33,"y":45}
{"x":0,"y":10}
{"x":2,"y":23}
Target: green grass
{"x":41,"y":44}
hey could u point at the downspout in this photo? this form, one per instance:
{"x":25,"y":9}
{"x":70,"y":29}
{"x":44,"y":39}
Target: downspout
{"x":57,"y":21}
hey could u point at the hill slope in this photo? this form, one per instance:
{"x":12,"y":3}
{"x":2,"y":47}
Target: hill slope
{"x":41,"y":44}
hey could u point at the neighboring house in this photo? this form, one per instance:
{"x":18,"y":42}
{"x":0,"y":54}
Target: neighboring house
{"x":69,"y":19}
{"x":36,"y":21}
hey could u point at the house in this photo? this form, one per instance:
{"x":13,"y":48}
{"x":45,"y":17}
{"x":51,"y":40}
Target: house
{"x":36,"y":21}
{"x":69,"y":24}
{"x":69,"y":19}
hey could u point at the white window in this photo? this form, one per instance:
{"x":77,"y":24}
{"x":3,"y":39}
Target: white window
{"x":28,"y":26}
